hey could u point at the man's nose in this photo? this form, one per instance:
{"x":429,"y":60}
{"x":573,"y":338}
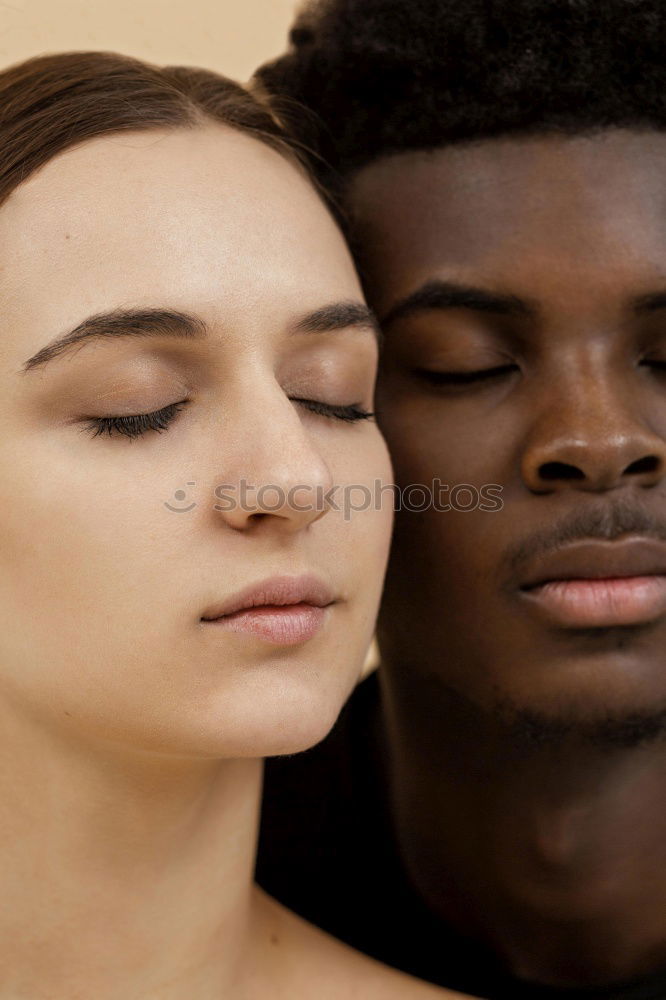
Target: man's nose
{"x":592,"y":436}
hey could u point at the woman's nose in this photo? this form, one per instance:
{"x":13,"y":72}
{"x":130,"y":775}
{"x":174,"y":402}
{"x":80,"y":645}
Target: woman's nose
{"x":278,"y":474}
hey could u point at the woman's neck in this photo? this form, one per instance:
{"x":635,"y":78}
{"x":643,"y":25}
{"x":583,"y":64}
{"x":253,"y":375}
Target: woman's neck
{"x":123,"y":875}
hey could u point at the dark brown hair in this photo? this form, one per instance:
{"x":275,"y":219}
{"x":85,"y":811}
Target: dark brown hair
{"x":53,"y":102}
{"x":380,"y":77}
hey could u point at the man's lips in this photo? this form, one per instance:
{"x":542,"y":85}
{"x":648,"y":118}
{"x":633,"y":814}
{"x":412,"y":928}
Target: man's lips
{"x":600,"y":584}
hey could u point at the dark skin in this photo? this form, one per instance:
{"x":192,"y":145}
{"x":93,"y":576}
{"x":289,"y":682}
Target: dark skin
{"x":528,"y":762}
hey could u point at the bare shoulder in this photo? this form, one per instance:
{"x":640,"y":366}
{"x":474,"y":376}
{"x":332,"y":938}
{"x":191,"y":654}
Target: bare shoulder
{"x":305,"y":963}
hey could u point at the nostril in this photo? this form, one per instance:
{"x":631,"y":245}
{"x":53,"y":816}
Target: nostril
{"x":551,"y":471}
{"x":649,"y":463}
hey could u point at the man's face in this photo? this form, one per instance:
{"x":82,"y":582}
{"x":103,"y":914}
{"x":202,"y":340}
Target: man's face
{"x":541,"y":263}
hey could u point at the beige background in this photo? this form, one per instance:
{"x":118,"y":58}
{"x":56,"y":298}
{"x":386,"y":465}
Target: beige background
{"x":230,"y":36}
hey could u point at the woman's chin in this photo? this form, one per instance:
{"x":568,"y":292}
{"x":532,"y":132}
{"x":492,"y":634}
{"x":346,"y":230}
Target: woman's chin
{"x":253,"y":724}
{"x":292,"y":722}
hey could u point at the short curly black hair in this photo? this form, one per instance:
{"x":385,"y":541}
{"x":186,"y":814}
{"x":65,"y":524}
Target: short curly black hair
{"x":385,"y":76}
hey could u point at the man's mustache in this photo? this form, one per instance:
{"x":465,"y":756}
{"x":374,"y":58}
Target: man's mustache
{"x":600,"y":522}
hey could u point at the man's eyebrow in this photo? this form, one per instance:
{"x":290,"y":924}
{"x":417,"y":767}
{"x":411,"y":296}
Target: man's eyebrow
{"x":437,"y":294}
{"x":120,"y":323}
{"x":338,"y":316}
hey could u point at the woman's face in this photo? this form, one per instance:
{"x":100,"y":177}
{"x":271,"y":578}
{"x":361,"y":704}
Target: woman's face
{"x":114,"y":544}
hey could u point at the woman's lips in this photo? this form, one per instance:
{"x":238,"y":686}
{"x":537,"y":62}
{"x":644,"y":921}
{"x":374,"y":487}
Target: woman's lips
{"x":281,"y":610}
{"x":282,"y":625}
{"x":594,"y":584}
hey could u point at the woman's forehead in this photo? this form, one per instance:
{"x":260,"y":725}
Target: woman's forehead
{"x":197,"y":218}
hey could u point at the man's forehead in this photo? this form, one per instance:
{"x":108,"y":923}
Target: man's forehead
{"x":472,"y":165}
{"x":487,"y":205}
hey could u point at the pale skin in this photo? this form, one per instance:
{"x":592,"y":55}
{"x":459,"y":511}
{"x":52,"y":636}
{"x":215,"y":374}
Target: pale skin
{"x":131,"y":735}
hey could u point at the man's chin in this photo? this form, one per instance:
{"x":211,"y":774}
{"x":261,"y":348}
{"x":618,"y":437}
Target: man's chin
{"x":550,"y":696}
{"x":599,"y":727}
{"x":604,"y":690}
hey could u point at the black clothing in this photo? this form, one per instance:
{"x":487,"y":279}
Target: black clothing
{"x":326,"y":851}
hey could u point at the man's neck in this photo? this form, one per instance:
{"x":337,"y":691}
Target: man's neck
{"x":555,"y":856}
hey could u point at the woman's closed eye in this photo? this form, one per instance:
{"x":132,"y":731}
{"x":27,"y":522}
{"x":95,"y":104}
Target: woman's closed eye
{"x":134,"y":425}
{"x":350,"y":413}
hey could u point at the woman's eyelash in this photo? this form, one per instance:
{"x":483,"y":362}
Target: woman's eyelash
{"x":464,"y":378}
{"x":134,"y":426}
{"x":349,"y":413}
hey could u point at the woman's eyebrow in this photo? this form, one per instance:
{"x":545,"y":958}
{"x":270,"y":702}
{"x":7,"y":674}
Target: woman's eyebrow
{"x":120,"y":323}
{"x":170,"y":323}
{"x":338,"y":316}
